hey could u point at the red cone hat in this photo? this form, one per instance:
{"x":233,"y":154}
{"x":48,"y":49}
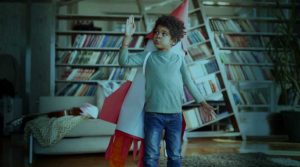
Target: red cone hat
{"x":181,"y":12}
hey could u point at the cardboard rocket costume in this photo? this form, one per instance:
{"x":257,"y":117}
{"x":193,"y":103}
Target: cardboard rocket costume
{"x":125,"y":106}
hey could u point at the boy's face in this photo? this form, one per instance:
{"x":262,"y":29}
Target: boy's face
{"x":162,"y":38}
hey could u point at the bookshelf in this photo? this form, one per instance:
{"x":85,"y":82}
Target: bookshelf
{"x":206,"y":73}
{"x":239,"y":33}
{"x":87,"y":52}
{"x":209,"y":29}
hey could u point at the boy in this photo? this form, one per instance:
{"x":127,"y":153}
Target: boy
{"x":166,"y":72}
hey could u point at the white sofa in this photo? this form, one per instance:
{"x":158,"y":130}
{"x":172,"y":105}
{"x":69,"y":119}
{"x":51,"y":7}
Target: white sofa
{"x":90,"y":136}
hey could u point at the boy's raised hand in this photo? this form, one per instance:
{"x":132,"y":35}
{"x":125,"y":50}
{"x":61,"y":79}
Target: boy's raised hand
{"x":130,"y":26}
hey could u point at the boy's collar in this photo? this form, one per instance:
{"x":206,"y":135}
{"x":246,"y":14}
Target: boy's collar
{"x":164,"y":51}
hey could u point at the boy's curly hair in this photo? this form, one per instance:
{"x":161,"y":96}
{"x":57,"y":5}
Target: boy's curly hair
{"x":175,"y":26}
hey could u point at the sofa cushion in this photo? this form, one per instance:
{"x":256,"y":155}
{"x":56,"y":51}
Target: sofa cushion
{"x":82,"y":145}
{"x":92,"y":127}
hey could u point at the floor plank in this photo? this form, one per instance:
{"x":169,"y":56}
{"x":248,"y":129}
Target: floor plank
{"x":13,"y":153}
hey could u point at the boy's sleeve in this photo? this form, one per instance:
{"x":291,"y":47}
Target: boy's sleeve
{"x":131,"y":59}
{"x":187,"y":80}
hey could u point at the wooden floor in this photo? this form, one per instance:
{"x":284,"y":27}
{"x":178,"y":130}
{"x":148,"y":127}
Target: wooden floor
{"x":13,"y":153}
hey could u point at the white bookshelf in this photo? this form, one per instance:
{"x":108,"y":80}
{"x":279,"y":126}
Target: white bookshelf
{"x":256,"y":15}
{"x":219,"y":98}
{"x":105,"y":43}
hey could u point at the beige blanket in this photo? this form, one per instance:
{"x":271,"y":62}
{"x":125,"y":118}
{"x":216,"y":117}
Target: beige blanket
{"x":48,"y":131}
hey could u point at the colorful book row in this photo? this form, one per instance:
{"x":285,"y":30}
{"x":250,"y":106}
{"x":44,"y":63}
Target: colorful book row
{"x":77,"y":90}
{"x":88,"y":57}
{"x":83,"y":74}
{"x":104,"y":41}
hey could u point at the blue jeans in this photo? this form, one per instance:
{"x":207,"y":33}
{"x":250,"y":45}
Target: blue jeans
{"x":154,"y":125}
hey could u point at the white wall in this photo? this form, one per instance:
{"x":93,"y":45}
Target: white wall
{"x":13,"y":35}
{"x":27,"y":33}
{"x":13,"y":28}
{"x":42,"y":35}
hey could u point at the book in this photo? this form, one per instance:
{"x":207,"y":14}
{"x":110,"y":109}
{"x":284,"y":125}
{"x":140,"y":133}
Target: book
{"x":191,"y":119}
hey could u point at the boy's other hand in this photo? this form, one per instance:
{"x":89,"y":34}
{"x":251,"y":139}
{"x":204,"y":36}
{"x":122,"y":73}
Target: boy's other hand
{"x":208,"y":112}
